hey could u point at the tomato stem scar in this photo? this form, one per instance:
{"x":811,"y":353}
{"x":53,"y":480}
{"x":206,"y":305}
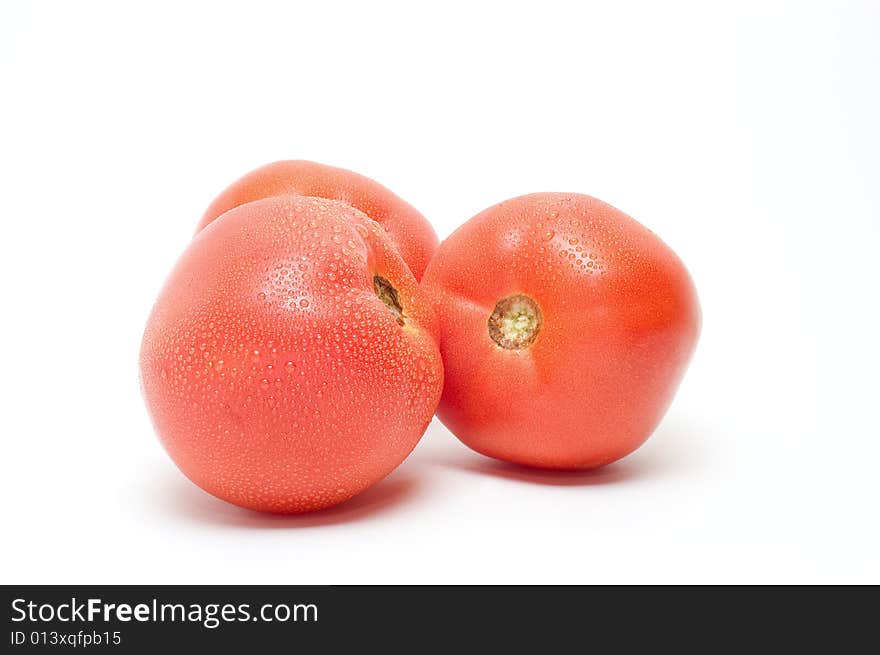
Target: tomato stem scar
{"x":515,"y":322}
{"x":388,"y":295}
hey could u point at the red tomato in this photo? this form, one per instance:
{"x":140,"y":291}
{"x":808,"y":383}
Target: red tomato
{"x":290,"y":360}
{"x":566,"y":327}
{"x":408,"y":229}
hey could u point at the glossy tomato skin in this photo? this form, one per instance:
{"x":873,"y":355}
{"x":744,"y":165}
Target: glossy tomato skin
{"x":276,"y":377}
{"x":408,"y":229}
{"x":620,"y":321}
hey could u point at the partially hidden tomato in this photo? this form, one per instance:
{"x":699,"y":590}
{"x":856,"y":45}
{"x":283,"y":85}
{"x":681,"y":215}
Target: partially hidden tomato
{"x":566,"y":327}
{"x":290,"y":361}
{"x":407,"y":228}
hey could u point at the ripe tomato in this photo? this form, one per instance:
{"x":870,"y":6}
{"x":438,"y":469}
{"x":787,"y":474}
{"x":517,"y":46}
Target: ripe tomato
{"x":408,"y":229}
{"x":290,"y":361}
{"x":566,"y":327}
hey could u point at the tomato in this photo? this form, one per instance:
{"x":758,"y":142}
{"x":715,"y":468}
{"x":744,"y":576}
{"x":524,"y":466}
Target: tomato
{"x":566,"y":327}
{"x":408,"y":229}
{"x":290,"y":361}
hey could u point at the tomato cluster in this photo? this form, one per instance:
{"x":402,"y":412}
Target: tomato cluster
{"x":296,"y":353}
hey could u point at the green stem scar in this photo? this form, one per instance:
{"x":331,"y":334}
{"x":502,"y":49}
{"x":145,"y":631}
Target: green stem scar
{"x":388,"y":295}
{"x":515,"y":322}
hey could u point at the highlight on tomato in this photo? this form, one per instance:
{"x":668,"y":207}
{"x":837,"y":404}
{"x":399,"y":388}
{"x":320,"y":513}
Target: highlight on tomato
{"x":405,"y":226}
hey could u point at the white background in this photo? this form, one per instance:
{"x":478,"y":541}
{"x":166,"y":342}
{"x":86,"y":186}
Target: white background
{"x":745,"y":134}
